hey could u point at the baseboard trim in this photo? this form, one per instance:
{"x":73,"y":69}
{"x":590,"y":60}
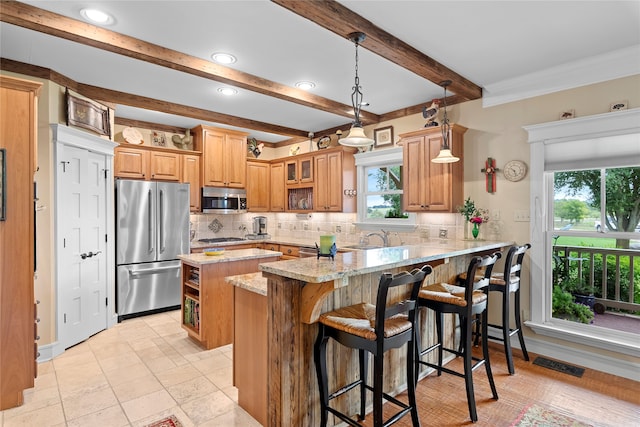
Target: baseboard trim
{"x":49,"y":351}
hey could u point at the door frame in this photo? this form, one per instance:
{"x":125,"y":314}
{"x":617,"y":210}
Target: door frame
{"x":63,"y":136}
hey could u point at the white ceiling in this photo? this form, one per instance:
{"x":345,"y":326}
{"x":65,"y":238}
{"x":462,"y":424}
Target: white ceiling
{"x":501,"y":46}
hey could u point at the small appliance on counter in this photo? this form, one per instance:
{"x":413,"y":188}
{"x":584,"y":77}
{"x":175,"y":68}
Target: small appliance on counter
{"x":259,"y":228}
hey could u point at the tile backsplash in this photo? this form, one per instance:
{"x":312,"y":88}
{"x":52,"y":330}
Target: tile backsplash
{"x":311,"y":226}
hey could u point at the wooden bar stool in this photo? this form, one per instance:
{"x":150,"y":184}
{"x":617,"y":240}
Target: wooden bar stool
{"x":373,"y":329}
{"x":498,"y":283}
{"x":466,"y":301}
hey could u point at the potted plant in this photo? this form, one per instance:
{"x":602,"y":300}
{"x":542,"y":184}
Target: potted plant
{"x":564,"y":307}
{"x":582,"y":292}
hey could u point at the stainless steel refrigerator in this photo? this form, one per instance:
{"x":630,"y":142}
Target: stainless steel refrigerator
{"x":152,"y":229}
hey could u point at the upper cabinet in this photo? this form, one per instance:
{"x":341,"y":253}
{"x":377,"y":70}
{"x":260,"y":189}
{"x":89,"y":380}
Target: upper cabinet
{"x":131,"y":163}
{"x":224,"y":156}
{"x":258,"y":183}
{"x":334,"y":173}
{"x":299,"y":170}
{"x":277,"y":193}
{"x":191,"y":174}
{"x":432,"y":187}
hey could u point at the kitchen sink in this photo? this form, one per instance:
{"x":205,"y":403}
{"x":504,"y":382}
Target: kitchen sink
{"x":362,"y":246}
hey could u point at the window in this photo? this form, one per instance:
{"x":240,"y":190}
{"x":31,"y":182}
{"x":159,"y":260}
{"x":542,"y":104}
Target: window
{"x":380,"y":191}
{"x":601,"y":149}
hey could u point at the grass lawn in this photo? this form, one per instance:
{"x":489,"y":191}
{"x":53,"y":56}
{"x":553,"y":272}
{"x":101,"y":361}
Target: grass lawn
{"x":596,"y":242}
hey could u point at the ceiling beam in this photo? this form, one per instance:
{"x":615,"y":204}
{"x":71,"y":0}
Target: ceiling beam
{"x":335,"y":17}
{"x":122,"y":98}
{"x":53,"y":24}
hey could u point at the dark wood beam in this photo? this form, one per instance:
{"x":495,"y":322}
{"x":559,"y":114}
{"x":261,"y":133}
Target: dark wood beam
{"x":50,"y":23}
{"x":115,"y":97}
{"x":337,"y":18}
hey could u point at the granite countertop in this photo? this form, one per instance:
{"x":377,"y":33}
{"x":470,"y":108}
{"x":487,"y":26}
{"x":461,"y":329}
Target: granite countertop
{"x":253,"y":282}
{"x":355,"y":263}
{"x":195,"y":244}
{"x":228,"y":256}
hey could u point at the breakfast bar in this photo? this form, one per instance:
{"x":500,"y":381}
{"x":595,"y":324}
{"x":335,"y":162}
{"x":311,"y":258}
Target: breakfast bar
{"x":298,"y":291}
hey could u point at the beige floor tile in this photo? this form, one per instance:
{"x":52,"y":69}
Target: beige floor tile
{"x":87,"y":402}
{"x":149,"y":352}
{"x":139,"y":387}
{"x":191,"y":389}
{"x":148,"y":405}
{"x":222,"y":378}
{"x":231,"y":392}
{"x":178,"y":375}
{"x":81,"y":380}
{"x":47,"y":416}
{"x":119,"y":361}
{"x":74,"y":359}
{"x":34,"y":398}
{"x":213,"y":363}
{"x":45,"y":367}
{"x":112,"y":416}
{"x":46,"y":380}
{"x":127,"y":373}
{"x":237,"y":417}
{"x":160,"y":364}
{"x":208,"y":407}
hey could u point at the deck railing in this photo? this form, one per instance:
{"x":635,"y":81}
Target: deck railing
{"x":610,"y":273}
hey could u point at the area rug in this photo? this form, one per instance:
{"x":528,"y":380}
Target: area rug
{"x":539,"y":416}
{"x":559,"y":366}
{"x":170,"y":421}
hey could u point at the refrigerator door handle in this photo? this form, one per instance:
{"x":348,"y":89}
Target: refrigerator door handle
{"x":161,"y":223}
{"x":150,"y":220}
{"x":135,"y":273}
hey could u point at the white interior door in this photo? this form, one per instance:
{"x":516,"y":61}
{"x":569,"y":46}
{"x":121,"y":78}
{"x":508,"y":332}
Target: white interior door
{"x":82,"y":230}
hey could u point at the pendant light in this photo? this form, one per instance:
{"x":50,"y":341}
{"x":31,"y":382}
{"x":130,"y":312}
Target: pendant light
{"x":356,"y":136}
{"x":445,"y":155}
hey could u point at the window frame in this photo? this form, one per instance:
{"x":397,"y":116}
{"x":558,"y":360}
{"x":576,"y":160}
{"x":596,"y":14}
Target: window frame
{"x":543,"y":139}
{"x":378,"y":158}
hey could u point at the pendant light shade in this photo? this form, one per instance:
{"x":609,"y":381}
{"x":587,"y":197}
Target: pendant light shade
{"x":356,"y":136}
{"x":445,"y":155}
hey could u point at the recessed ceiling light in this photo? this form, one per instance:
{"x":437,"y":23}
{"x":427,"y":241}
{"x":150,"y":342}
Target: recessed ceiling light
{"x":227,"y":91}
{"x":97,"y":16}
{"x":305,"y":85}
{"x":223,"y":58}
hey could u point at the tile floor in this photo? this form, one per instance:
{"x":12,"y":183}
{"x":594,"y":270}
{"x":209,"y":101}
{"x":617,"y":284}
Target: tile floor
{"x":133,"y":374}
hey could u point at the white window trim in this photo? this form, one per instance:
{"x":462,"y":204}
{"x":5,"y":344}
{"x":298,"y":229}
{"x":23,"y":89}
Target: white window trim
{"x":373,"y":158}
{"x":585,"y":128}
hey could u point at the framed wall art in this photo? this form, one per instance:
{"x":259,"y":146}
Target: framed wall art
{"x":88,"y":114}
{"x":3,"y":184}
{"x":383,"y":136}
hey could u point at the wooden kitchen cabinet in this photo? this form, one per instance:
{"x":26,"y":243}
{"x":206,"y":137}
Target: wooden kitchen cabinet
{"x":258,"y":183}
{"x":18,"y":316}
{"x":289,"y":252}
{"x":299,"y":170}
{"x":224,"y":156}
{"x":277,"y":188}
{"x":335,"y":172}
{"x":191,"y":174}
{"x":432,"y":187}
{"x":165,"y":166}
{"x":132,"y":163}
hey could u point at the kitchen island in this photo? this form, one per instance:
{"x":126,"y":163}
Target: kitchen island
{"x":207,"y":300}
{"x":298,"y":291}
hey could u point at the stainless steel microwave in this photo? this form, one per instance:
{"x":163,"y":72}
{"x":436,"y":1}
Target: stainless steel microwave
{"x":223,"y":200}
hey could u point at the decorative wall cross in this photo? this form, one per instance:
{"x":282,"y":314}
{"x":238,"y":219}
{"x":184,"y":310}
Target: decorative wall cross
{"x":489,"y":171}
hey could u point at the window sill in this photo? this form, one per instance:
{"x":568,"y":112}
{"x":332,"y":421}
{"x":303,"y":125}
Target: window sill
{"x":386,"y":226}
{"x":620,"y":342}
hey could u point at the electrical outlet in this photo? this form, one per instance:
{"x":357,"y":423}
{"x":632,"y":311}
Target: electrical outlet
{"x":279,"y":225}
{"x":443,"y":233}
{"x":338,"y":229}
{"x":521,"y":216}
{"x":305,"y":226}
{"x":495,"y":215}
{"x":352,"y":229}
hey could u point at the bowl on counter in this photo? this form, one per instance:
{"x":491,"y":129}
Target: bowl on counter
{"x":213,"y":251}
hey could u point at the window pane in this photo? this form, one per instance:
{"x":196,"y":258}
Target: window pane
{"x":385,"y":206}
{"x":622,"y":204}
{"x":577,"y":200}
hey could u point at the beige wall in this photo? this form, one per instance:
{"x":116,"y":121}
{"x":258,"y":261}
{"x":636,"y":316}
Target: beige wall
{"x":493,"y":132}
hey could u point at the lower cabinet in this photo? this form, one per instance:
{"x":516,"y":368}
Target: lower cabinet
{"x":207,"y":300}
{"x":289,"y":252}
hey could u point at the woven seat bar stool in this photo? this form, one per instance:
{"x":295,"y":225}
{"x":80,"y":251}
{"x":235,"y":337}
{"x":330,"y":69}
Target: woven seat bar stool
{"x":372,"y":329}
{"x":498,"y":283}
{"x":466,"y":301}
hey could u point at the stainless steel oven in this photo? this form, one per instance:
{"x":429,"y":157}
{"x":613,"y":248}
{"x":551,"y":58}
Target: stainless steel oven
{"x":223,"y":200}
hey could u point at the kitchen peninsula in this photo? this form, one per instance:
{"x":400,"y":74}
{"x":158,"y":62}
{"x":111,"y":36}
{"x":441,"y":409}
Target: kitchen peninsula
{"x":207,"y":300}
{"x":298,"y":291}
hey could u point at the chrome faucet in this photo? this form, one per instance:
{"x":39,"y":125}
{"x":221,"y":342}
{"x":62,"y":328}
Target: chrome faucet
{"x":384,"y":236}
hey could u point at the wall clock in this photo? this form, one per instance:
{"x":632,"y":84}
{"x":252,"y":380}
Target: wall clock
{"x":515,"y":170}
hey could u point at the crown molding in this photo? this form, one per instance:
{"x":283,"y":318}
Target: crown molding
{"x":609,"y":66}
